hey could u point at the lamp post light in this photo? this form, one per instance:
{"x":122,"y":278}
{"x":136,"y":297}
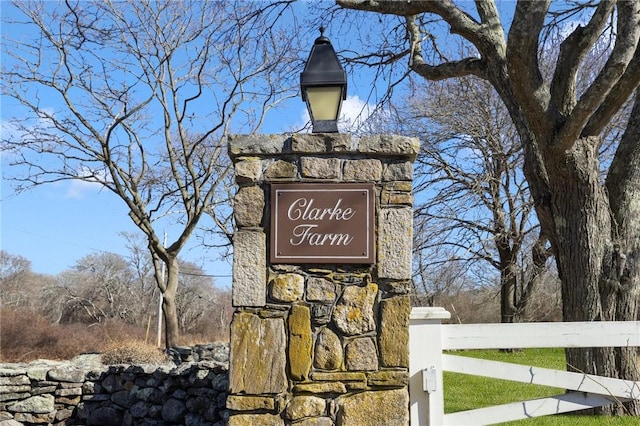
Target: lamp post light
{"x":323,"y":84}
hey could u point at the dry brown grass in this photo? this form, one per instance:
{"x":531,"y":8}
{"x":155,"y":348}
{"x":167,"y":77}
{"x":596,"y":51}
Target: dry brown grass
{"x":27,"y":335}
{"x":133,"y":352}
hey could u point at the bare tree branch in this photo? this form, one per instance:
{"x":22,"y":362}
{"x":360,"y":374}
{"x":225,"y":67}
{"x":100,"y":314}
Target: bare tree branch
{"x":615,"y":99}
{"x":522,"y":62}
{"x":572,"y":50}
{"x":628,"y":34}
{"x":138,"y":97}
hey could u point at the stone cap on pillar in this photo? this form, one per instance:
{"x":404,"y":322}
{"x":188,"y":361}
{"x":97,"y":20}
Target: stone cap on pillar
{"x":323,"y":143}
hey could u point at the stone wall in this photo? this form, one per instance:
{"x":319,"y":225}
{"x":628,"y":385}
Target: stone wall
{"x":321,"y":344}
{"x":85,"y":392}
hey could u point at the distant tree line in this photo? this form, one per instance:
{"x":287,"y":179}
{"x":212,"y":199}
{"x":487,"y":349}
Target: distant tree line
{"x":103,"y":287}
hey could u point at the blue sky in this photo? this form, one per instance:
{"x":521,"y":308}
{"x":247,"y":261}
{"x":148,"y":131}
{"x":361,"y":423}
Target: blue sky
{"x":55,"y":225}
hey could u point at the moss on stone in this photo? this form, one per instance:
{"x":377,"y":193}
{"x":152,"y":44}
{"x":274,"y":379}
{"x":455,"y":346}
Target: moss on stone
{"x":394,"y":331}
{"x":300,"y":342}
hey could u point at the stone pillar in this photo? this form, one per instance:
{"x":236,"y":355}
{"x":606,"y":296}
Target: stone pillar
{"x":321,"y":344}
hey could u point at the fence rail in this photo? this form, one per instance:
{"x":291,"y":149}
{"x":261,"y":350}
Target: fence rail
{"x":429,"y":337}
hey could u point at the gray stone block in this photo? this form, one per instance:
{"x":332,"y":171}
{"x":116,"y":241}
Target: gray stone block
{"x":390,"y":145}
{"x":395,"y":235}
{"x":249,"y":269}
{"x":256,"y":144}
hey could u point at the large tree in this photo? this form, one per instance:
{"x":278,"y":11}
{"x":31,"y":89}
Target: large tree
{"x":593,"y":223}
{"x":138,"y":97}
{"x":473,"y":205}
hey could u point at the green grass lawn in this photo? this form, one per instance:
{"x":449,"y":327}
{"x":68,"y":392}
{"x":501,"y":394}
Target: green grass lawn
{"x":466,"y":392}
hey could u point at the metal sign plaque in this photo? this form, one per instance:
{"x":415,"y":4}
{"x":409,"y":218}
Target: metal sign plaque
{"x":322,"y":223}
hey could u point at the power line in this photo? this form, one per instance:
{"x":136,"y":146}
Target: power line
{"x":58,"y":240}
{"x":195,"y":274}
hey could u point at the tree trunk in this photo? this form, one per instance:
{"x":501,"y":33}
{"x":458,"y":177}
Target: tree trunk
{"x":530,"y":277}
{"x":623,"y":271}
{"x":508,"y":312}
{"x":590,"y":260}
{"x":169,"y":309}
{"x":508,"y":281}
{"x":581,"y":228}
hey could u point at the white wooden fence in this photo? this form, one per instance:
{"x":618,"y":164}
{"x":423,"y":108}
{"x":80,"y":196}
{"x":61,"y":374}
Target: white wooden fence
{"x":429,"y":337}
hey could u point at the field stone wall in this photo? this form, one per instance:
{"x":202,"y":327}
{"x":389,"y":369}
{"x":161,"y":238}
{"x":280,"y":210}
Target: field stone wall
{"x":190,"y":391}
{"x":321,"y":344}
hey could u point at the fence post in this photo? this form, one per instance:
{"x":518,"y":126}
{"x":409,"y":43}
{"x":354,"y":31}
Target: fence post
{"x":425,"y":354}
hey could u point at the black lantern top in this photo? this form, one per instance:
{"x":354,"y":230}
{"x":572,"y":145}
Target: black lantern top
{"x":324,"y":85}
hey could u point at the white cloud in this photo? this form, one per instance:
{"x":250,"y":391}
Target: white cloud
{"x":8,"y":132}
{"x":92,"y":180}
{"x":79,"y":188}
{"x":20,"y":130}
{"x":353,"y":115}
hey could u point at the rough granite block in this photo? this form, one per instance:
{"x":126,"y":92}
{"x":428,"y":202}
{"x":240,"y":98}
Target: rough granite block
{"x":249,"y":286}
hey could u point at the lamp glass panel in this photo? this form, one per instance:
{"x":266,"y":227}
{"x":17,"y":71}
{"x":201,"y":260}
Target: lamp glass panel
{"x":324,"y":102}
